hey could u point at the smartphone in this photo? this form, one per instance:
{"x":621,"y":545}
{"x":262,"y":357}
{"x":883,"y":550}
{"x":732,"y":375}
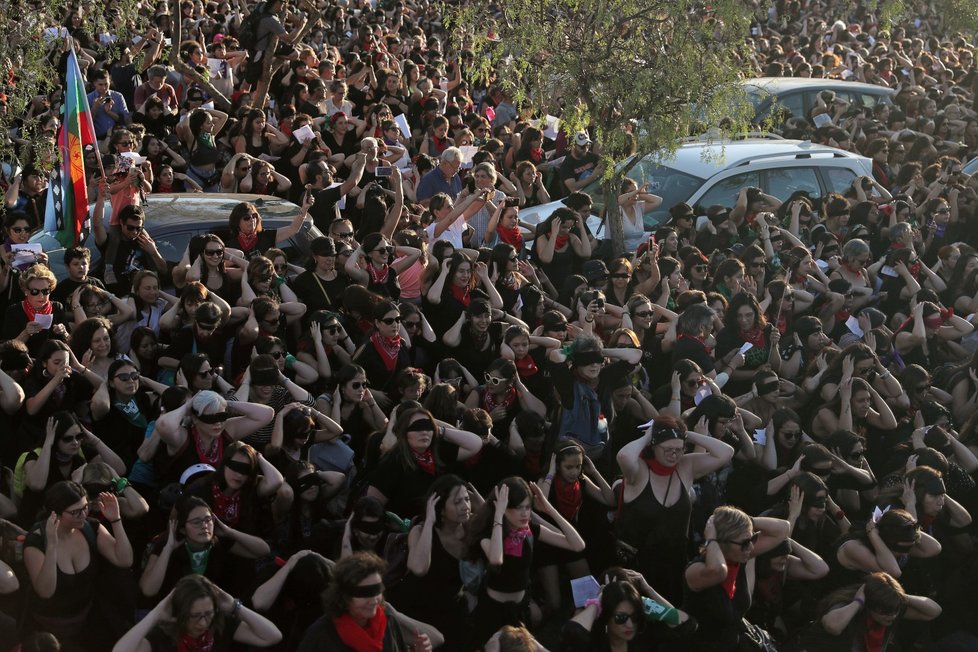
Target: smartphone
{"x":383,"y":171}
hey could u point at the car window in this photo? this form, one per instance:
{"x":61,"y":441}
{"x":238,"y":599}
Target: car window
{"x":782,"y":182}
{"x":794,"y":102}
{"x":724,"y":191}
{"x":838,"y":179}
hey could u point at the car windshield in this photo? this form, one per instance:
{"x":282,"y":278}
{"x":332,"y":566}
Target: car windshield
{"x":672,"y":185}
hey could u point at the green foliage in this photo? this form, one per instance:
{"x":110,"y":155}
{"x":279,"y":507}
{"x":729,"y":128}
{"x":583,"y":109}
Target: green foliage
{"x":662,"y":64}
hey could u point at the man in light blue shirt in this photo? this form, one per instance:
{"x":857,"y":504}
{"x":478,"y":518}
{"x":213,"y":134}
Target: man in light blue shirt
{"x":444,"y":178}
{"x":108,"y":107}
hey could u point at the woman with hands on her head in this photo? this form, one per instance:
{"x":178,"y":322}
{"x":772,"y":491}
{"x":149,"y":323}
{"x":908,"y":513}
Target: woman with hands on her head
{"x":504,"y":535}
{"x":60,"y":556}
{"x":719,"y":583}
{"x":198,"y":616}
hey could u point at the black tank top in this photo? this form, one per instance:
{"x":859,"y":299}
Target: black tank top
{"x":647,"y":522}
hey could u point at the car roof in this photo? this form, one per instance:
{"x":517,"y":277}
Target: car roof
{"x":777,"y":85}
{"x":184,"y":208}
{"x":705,"y":158}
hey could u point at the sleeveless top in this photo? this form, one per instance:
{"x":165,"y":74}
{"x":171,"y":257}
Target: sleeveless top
{"x":581,"y":420}
{"x":514,"y":574}
{"x":719,"y":616}
{"x":73,"y":592}
{"x":645,"y":522}
{"x":205,"y":151}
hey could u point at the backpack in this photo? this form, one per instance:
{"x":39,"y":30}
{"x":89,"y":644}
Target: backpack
{"x":248,"y":30}
{"x":396,"y":554}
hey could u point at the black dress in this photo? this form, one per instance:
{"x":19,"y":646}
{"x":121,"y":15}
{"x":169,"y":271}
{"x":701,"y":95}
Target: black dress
{"x":719,"y":616}
{"x":661,"y":536}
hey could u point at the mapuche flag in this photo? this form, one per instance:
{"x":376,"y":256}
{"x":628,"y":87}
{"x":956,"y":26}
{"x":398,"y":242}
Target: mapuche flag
{"x":67,"y":205}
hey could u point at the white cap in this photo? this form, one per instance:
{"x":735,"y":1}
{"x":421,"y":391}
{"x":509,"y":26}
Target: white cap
{"x":191,"y":471}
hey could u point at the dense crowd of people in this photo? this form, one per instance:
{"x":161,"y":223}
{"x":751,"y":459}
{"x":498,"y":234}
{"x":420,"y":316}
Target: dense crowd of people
{"x":754,"y":429}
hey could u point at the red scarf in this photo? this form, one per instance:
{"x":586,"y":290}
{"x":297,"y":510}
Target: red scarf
{"x":536,"y":154}
{"x":227,"y":508}
{"x":526,"y":366}
{"x":208,"y":457}
{"x":562,"y":240}
{"x":702,"y":341}
{"x":875,"y":633}
{"x":378,"y":276}
{"x":247,"y":242}
{"x":755,"y":336}
{"x":362,"y":639}
{"x":425,"y":461}
{"x":511,"y":236}
{"x":461,"y":295}
{"x":659,"y":469}
{"x":203,"y":644}
{"x":46,"y":309}
{"x":492,"y":402}
{"x":513,"y":542}
{"x":730,"y":582}
{"x":387,"y":348}
{"x":440,"y":143}
{"x":568,"y":498}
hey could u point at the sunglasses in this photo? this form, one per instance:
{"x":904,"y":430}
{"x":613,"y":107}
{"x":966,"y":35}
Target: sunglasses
{"x":207,"y":373}
{"x":412,"y":324}
{"x":134,"y":229}
{"x":277,"y":354}
{"x":71,"y":439}
{"x":214,"y":252}
{"x":132,"y":375}
{"x":384,"y":250}
{"x":35,"y":291}
{"x":344,"y":236}
{"x":217,"y":417}
{"x":359,"y":385}
{"x":790,"y":434}
{"x":281,"y":268}
{"x":495,"y":381}
{"x":621,"y":618}
{"x":644,"y":314}
{"x":332,"y":330}
{"x":391,"y":320}
{"x":20,"y":229}
{"x":746,"y":543}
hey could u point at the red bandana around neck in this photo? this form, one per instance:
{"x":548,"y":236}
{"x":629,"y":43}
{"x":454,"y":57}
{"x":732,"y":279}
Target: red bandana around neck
{"x":378,"y":276}
{"x":526,"y":366}
{"x":227,"y":508}
{"x":425,"y":461}
{"x":462,"y":295}
{"x":755,"y":336}
{"x":511,"y":236}
{"x":388,"y":348}
{"x":204,"y":643}
{"x":702,"y":341}
{"x":492,"y":402}
{"x":247,"y":242}
{"x":46,"y":309}
{"x":659,"y":469}
{"x":362,"y":639}
{"x":730,"y":582}
{"x":213,"y":456}
{"x":569,"y":496}
{"x":562,"y":240}
{"x":875,"y":633}
{"x":536,"y":154}
{"x":513,"y":542}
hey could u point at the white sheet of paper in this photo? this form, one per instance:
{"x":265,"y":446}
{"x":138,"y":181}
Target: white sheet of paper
{"x":215,"y":66}
{"x":402,"y":124}
{"x":28,"y":246}
{"x":745,"y":347}
{"x":822,"y":265}
{"x":44,"y":320}
{"x":468,"y":151}
{"x":304,"y":134}
{"x":853,"y":324}
{"x":701,"y":393}
{"x":886,"y":270}
{"x":760,"y":436}
{"x":443,"y":84}
{"x":268,"y":157}
{"x":551,"y":129}
{"x":341,"y":204}
{"x":822,"y":119}
{"x":584,"y":589}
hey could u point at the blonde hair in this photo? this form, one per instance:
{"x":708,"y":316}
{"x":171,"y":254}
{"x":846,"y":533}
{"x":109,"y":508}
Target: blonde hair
{"x":730,"y":522}
{"x":36,"y":272}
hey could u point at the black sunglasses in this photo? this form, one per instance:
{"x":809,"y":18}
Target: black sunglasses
{"x":35,"y":291}
{"x":746,"y":543}
{"x":132,"y":375}
{"x":207,"y":373}
{"x":359,"y":385}
{"x":621,"y":618}
{"x":214,"y":252}
{"x":391,"y":320}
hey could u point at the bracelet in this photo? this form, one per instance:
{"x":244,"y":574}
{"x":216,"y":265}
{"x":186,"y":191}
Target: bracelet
{"x":595,"y":602}
{"x":237,"y":607}
{"x":859,"y":601}
{"x":674,"y":398}
{"x":497,"y":524}
{"x":549,"y":478}
{"x":588,"y":321}
{"x":118,"y":520}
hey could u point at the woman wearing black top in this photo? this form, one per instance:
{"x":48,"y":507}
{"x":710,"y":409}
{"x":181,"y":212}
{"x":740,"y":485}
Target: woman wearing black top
{"x":718,"y":583}
{"x":384,"y":354}
{"x":244,"y":224}
{"x":321,"y":286}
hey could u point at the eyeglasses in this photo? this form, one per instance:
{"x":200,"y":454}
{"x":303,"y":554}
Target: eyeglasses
{"x":77,"y":513}
{"x":207,"y":373}
{"x":132,"y":375}
{"x":201,"y":522}
{"x":203,"y":615}
{"x":943,"y":211}
{"x":412,"y":324}
{"x":359,"y":385}
{"x":621,"y":618}
{"x":746,"y":543}
{"x":71,"y":439}
{"x":20,"y":229}
{"x":217,"y":417}
{"x":495,"y":380}
{"x":344,"y":236}
{"x":214,"y":252}
{"x":36,"y":291}
{"x":672,"y":451}
{"x":391,"y":320}
{"x":135,"y":229}
{"x":790,"y":434}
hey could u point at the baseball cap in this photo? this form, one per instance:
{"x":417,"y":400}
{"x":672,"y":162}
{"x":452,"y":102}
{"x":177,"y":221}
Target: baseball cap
{"x":582,"y":139}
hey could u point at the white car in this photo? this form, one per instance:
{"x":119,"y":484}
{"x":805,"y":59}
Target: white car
{"x":703,"y":173}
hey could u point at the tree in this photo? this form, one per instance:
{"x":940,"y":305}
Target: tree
{"x":670,"y":66}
